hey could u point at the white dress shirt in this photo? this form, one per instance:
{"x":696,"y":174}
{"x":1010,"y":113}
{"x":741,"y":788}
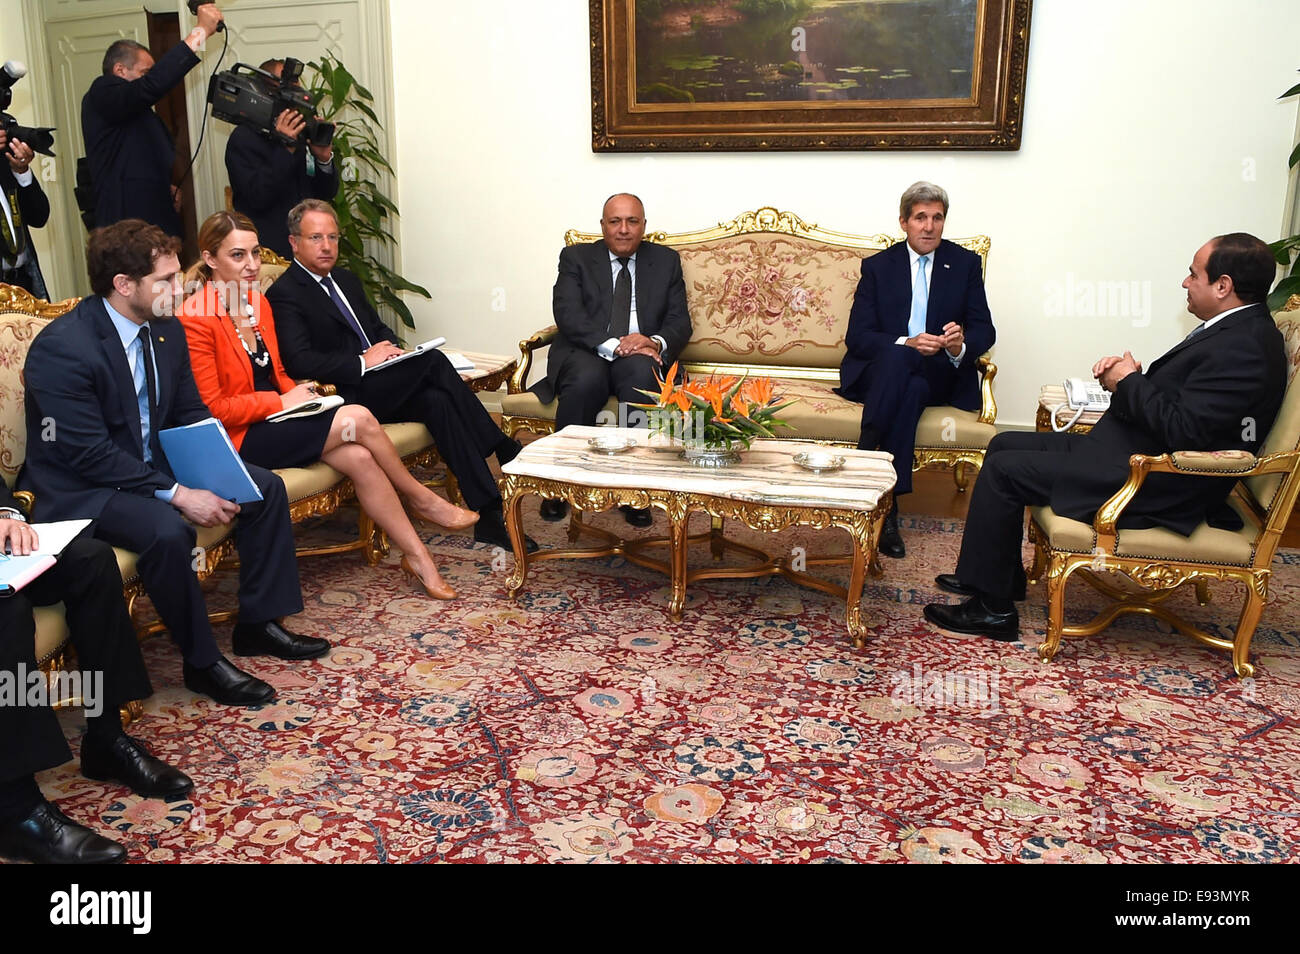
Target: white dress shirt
{"x":913,"y":256}
{"x":606,"y":348}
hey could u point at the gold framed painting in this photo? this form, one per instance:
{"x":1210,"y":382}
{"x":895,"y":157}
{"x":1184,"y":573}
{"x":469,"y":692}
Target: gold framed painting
{"x":768,"y":75}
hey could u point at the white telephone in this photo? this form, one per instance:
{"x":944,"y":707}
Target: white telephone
{"x":1081,"y":397}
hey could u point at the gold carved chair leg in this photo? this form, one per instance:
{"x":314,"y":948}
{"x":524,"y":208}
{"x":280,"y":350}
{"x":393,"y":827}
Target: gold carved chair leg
{"x":1203,"y":591}
{"x":960,"y":477}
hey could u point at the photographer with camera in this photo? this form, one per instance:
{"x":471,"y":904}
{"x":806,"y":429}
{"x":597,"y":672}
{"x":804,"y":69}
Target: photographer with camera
{"x":23,"y":205}
{"x":130,"y":152}
{"x":272,"y":171}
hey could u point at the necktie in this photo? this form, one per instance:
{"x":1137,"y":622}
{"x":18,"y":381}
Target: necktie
{"x":621,"y":317}
{"x":145,"y":391}
{"x":1194,"y":332}
{"x":920,"y":299}
{"x":344,"y":309}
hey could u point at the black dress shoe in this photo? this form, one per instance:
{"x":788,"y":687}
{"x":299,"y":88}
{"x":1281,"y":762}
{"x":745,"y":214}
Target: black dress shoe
{"x":227,"y":684}
{"x":553,"y":511}
{"x":637,"y":516}
{"x":891,"y":541}
{"x":949,"y":583}
{"x":491,"y":529}
{"x":127,"y":760}
{"x":974,"y":617}
{"x":49,"y":837}
{"x":272,"y":639}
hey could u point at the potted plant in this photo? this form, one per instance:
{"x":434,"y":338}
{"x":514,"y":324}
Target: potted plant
{"x":365,"y":213}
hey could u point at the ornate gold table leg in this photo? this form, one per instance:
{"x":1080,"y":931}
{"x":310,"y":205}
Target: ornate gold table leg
{"x":863,"y":556}
{"x":514,"y":510}
{"x":717,"y":541}
{"x":679,"y":519}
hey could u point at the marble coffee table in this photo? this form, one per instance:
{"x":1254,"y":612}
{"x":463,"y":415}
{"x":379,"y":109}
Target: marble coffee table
{"x":766,"y":491}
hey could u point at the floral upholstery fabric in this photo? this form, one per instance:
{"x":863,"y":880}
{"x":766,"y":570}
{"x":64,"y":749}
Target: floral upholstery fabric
{"x":16,"y":334}
{"x":769,"y":299}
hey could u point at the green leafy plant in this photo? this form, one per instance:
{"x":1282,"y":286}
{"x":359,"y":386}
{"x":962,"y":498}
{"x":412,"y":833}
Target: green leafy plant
{"x":365,"y":213}
{"x":1284,"y":250}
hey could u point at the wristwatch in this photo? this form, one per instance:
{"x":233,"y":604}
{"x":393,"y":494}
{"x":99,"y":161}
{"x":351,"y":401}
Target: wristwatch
{"x":8,"y":513}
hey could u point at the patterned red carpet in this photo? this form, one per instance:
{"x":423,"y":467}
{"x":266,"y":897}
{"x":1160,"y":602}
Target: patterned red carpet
{"x":581,"y":725}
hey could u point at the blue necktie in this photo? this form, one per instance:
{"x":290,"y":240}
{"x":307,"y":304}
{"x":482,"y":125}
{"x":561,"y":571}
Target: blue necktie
{"x":920,"y":299}
{"x":345,"y":310}
{"x":145,"y":388}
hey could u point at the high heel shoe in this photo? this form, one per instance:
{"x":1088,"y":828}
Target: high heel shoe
{"x":467,"y":520}
{"x":442,"y":592}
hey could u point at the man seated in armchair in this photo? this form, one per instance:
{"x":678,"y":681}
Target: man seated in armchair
{"x":920,"y":321}
{"x":620,"y":307}
{"x":87,"y":581}
{"x":1218,"y":389}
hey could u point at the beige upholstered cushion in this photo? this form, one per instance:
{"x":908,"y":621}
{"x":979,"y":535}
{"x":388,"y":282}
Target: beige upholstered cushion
{"x":770,"y":299}
{"x":1285,"y":433}
{"x":303,"y":482}
{"x":409,"y":437}
{"x":1205,"y":545}
{"x":51,"y":631}
{"x":16,"y":334}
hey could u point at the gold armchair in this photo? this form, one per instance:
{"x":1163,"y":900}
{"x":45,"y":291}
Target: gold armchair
{"x":1153,"y":564}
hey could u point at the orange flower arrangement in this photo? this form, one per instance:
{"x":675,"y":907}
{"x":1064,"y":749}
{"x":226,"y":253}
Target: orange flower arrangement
{"x":716,"y":411}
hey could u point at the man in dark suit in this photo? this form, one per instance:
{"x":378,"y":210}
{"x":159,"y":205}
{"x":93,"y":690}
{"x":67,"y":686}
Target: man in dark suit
{"x":329,"y":332}
{"x":620,"y":306}
{"x":87,"y":581}
{"x":919,"y":323}
{"x":1218,"y":389}
{"x":129,"y":150}
{"x":102,"y":381}
{"x":268,"y":176}
{"x":23,"y":206}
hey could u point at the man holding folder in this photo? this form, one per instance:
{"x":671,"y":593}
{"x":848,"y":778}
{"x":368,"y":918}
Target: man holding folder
{"x":101,"y":383}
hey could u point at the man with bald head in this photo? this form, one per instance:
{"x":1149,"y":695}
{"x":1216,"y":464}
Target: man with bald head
{"x":620,"y":306}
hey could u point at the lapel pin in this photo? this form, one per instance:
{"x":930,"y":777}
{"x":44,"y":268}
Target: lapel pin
{"x":945,"y":264}
{"x":162,"y":340}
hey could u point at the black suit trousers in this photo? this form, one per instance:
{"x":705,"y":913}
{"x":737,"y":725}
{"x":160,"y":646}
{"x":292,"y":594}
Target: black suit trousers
{"x":901,"y":383}
{"x":88,"y":583}
{"x":585,"y":381}
{"x":1019,"y":471}
{"x":427,"y":389}
{"x":268,"y":569}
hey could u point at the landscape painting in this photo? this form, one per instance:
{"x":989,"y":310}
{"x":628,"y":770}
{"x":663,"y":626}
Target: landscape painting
{"x":773,"y":51}
{"x":808,"y":74}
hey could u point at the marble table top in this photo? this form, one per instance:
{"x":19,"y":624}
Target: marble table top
{"x":485,"y":365}
{"x":766,"y":473}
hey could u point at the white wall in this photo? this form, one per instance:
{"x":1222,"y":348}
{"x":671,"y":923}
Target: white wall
{"x":1149,"y":127}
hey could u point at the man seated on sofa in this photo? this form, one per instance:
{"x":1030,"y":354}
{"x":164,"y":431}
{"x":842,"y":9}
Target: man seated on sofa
{"x":620,"y":306}
{"x":1220,"y":388}
{"x":102,"y":382}
{"x":329,"y":332}
{"x":919,"y":323}
{"x":87,"y":581}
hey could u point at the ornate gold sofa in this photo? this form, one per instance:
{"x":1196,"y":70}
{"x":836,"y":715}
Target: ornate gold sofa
{"x":1138,"y":570}
{"x":771,"y":294}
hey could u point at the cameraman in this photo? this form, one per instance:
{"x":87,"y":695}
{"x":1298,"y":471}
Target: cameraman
{"x":23,"y":205}
{"x":269,"y":177}
{"x":128,"y":149}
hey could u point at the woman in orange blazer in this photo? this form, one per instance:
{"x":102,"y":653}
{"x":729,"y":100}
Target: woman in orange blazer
{"x":236,"y":362}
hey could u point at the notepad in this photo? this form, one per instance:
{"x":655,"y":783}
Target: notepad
{"x":51,"y":539}
{"x":430,"y":345}
{"x":202,"y":456}
{"x":316,"y":405}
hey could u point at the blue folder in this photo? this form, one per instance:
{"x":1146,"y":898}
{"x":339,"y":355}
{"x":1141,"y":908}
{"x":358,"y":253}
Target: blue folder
{"x":202,"y":456}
